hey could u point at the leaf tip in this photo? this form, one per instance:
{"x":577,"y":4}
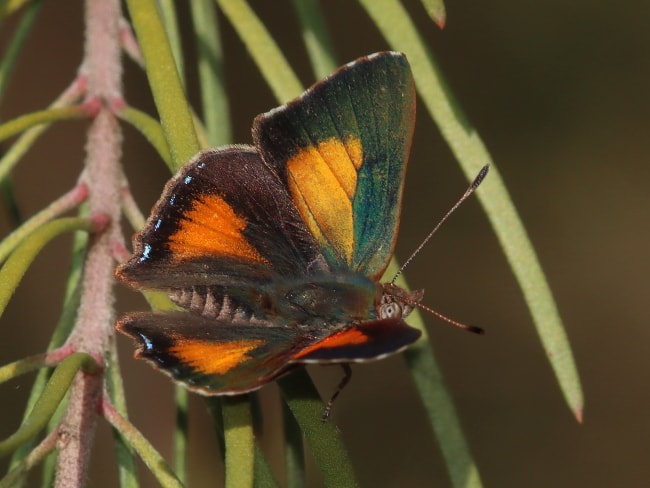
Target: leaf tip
{"x":440,"y":18}
{"x":578,"y":413}
{"x":437,"y":12}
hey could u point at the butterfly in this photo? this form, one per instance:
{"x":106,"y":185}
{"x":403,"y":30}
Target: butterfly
{"x":275,"y":250}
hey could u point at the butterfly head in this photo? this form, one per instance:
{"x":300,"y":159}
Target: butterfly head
{"x":396,"y":302}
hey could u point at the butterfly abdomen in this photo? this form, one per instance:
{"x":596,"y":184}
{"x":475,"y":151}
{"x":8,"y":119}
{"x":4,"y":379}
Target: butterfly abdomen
{"x":211,"y":303}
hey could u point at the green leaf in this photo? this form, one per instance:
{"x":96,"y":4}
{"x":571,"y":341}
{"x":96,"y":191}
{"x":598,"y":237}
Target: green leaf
{"x":22,"y":366}
{"x":16,"y":265}
{"x":10,"y":203}
{"x":22,"y":31}
{"x":18,"y":471}
{"x":150,"y":128}
{"x":169,"y":96}
{"x":26,"y":140}
{"x":263,"y":475}
{"x":63,"y":327}
{"x":8,"y":7}
{"x":436,"y":10}
{"x":167,"y":9}
{"x":115,"y":387}
{"x":294,"y":452}
{"x":66,"y":202}
{"x":323,"y":438}
{"x":24,"y":122}
{"x":396,"y":26}
{"x":134,"y":438}
{"x":316,"y":37}
{"x":211,"y":72}
{"x":181,"y":432}
{"x":437,"y":401}
{"x":49,"y":400}
{"x":262,"y":47}
{"x":240,"y":441}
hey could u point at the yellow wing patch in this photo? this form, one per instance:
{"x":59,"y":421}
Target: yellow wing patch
{"x":322,"y":180}
{"x":214,"y":358}
{"x":211,"y":226}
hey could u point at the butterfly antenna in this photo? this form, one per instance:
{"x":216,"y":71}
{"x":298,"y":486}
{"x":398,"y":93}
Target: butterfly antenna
{"x":477,"y":181}
{"x":455,"y":323}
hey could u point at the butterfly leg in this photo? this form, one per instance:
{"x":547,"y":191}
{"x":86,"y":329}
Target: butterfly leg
{"x":347,"y":375}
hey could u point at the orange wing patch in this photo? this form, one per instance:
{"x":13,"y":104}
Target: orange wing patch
{"x":214,"y":358}
{"x":212,"y":227}
{"x":341,"y":339}
{"x":322,"y":180}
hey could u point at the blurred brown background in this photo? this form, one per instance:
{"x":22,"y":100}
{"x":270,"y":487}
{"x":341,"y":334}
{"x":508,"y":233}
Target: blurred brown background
{"x":559,"y":93}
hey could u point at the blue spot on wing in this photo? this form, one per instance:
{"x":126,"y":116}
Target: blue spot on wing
{"x":146,"y":251}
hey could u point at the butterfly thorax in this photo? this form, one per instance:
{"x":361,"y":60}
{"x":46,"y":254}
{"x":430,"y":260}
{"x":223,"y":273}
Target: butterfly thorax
{"x":330,"y":302}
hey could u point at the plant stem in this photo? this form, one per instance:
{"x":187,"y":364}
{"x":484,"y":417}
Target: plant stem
{"x":101,"y":66}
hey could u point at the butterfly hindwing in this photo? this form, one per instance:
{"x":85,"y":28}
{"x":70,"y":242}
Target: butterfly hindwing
{"x":341,"y":149}
{"x":359,"y":342}
{"x":217,"y":357}
{"x":214,"y":357}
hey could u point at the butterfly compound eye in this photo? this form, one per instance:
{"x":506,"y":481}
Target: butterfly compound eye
{"x":390,"y":310}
